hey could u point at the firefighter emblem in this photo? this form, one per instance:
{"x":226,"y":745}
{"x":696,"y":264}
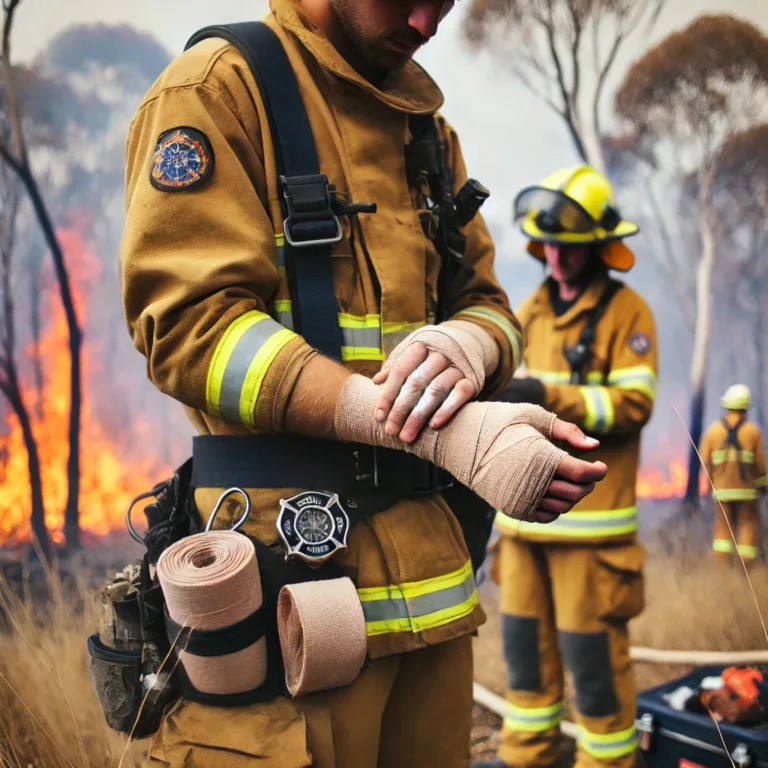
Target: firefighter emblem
{"x":183,"y":159}
{"x":313,"y":526}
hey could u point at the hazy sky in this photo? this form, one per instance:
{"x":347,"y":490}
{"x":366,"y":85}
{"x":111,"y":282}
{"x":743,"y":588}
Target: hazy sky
{"x":509,"y":139}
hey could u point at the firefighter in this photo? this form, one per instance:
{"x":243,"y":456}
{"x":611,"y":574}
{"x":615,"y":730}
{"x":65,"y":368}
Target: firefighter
{"x":227,"y":262}
{"x":732,"y":451}
{"x":569,"y":589}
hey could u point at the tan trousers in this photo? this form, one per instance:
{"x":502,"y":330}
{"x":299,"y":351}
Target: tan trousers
{"x":744,"y":520}
{"x":566,"y":607}
{"x":408,"y":711}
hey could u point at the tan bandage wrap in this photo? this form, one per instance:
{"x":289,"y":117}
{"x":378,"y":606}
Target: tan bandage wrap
{"x":322,"y":634}
{"x":210,"y":581}
{"x":501,"y":451}
{"x":463,"y":350}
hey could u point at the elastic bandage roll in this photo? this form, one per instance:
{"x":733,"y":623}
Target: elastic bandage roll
{"x":211,"y":581}
{"x":322,"y":634}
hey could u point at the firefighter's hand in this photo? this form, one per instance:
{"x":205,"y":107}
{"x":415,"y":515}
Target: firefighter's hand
{"x":420,"y":387}
{"x":574,"y":479}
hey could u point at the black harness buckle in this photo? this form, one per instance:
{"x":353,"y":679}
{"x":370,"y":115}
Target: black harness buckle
{"x":311,"y":220}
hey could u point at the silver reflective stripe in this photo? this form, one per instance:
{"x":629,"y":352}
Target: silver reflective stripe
{"x":285,"y":318}
{"x":370,"y":338}
{"x":238,"y":364}
{"x":423,"y":605}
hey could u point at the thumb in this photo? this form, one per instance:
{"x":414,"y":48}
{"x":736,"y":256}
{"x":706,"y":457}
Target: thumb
{"x":571,"y":434}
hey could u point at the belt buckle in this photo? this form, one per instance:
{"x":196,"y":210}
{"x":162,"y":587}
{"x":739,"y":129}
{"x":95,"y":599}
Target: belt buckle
{"x":367,"y":480}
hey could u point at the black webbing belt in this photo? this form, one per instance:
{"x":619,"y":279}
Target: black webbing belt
{"x":367,"y":479}
{"x":311,"y":227}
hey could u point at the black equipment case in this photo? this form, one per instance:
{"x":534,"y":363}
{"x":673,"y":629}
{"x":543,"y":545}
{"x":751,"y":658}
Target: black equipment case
{"x":673,"y":739}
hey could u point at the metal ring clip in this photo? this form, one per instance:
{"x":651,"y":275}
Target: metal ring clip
{"x":216,"y":509}
{"x":129,"y":524}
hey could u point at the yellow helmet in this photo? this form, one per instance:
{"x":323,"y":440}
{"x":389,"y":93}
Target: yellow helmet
{"x":736,"y":398}
{"x":572,"y":206}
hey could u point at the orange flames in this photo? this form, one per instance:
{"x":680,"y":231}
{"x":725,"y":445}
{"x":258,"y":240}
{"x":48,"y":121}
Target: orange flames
{"x":115,"y":466}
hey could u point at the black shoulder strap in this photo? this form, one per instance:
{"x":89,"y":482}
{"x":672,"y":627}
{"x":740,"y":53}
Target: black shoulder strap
{"x":732,"y":433}
{"x":580,"y":354}
{"x":311,"y":226}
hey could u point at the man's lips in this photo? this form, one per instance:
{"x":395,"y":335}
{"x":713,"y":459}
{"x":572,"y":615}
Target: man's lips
{"x":402,"y":47}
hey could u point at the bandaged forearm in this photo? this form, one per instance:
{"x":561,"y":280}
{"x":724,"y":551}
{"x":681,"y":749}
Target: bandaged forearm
{"x":464,"y":348}
{"x":501,"y":451}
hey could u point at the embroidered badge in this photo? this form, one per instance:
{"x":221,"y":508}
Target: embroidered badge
{"x":183,"y":159}
{"x":640,"y":343}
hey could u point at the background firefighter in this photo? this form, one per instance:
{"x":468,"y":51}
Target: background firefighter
{"x":732,"y":450}
{"x":569,"y":589}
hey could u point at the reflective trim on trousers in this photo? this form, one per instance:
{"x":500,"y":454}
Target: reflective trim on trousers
{"x":419,"y":605}
{"x":614,"y":522}
{"x":609,"y":746}
{"x":532,"y":719}
{"x":240,"y":363}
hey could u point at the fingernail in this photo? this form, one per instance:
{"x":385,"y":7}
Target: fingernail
{"x":380,"y":414}
{"x":592,"y":441}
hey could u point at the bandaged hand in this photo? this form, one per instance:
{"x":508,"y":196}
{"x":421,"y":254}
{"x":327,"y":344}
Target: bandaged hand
{"x":431,"y":374}
{"x":501,"y":451}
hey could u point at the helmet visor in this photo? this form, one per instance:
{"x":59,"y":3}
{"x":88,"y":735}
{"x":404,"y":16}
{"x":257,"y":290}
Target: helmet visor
{"x":556,"y":212}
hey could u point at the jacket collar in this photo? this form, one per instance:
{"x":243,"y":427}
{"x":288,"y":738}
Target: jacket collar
{"x":586,"y":302}
{"x":410,"y":89}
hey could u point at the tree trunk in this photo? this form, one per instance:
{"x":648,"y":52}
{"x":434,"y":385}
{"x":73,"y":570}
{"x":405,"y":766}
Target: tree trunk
{"x":71,"y":520}
{"x":35,"y":322}
{"x":37,"y":518}
{"x":760,"y":331}
{"x":701,"y":341}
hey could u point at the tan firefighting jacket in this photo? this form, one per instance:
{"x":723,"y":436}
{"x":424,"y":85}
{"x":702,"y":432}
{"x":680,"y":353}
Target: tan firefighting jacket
{"x":613,"y":406}
{"x":202,"y":267}
{"x":736,"y":475}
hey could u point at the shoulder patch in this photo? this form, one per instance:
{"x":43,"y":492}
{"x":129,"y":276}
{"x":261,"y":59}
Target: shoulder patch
{"x":640,"y":343}
{"x":183,"y":159}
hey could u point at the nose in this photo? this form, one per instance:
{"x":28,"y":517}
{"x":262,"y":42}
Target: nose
{"x":425,"y":17}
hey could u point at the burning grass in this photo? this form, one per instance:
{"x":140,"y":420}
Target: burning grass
{"x":50,"y":718}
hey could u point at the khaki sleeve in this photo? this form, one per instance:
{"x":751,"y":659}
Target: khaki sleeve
{"x":481,"y":299}
{"x":624,"y":403}
{"x":761,"y":478}
{"x":200,"y":264}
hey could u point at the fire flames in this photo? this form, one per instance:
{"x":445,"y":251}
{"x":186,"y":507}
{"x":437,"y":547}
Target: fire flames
{"x":116,"y":463}
{"x":115,"y":467}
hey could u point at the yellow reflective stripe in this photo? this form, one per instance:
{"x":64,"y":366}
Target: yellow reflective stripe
{"x":532,"y":719}
{"x":419,"y":605}
{"x":730,"y":454}
{"x":240,"y":362}
{"x":594,"y":378}
{"x":280,"y":239}
{"x":747,"y":551}
{"x":641,"y":378}
{"x":761,"y":482}
{"x":390,"y":328}
{"x":723,"y":545}
{"x":609,"y":745}
{"x":600,"y":416}
{"x":361,"y":337}
{"x":513,"y":335}
{"x":735,"y":494}
{"x":576,"y":525}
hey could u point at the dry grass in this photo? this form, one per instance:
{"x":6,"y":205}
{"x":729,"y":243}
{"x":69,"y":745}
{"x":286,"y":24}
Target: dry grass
{"x":49,"y":714}
{"x":50,"y":718}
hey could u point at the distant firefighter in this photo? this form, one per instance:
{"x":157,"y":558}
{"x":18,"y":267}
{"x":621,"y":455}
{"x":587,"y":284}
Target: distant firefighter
{"x":569,"y":588}
{"x":732,"y":450}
